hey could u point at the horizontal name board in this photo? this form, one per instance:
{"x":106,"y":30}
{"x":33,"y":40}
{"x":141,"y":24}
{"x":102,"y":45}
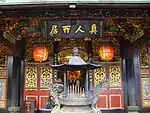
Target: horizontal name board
{"x":73,"y":29}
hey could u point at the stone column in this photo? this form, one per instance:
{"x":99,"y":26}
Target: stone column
{"x":89,"y":51}
{"x":21,"y":86}
{"x":130,"y":77}
{"x":132,"y":73}
{"x":15,"y":84}
{"x":10,"y":61}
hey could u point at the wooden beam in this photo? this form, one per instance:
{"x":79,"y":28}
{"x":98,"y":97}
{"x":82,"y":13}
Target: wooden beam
{"x":9,"y":38}
{"x":78,"y":5}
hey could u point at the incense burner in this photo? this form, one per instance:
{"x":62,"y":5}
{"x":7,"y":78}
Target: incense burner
{"x":76,"y":96}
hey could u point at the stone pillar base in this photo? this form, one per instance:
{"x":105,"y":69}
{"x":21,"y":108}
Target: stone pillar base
{"x":133,"y":109}
{"x":14,"y":109}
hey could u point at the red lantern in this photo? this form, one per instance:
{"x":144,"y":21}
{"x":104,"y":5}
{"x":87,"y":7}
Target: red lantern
{"x":40,"y":53}
{"x":106,"y":52}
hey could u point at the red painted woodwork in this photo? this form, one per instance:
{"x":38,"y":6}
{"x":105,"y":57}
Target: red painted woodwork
{"x":102,"y":101}
{"x":111,"y":98}
{"x":42,"y":101}
{"x":108,"y":99}
{"x":115,"y":101}
{"x":39,"y":96}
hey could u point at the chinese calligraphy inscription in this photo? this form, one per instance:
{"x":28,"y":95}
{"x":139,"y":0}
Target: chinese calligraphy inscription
{"x":79,"y":29}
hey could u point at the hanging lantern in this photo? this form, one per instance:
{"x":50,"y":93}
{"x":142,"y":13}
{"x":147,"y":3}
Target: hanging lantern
{"x":40,"y":53}
{"x":106,"y":52}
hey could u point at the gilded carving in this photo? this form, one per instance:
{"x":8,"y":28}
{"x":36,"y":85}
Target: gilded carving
{"x":114,"y":76}
{"x":146,"y":103}
{"x":100,"y":75}
{"x":46,"y":76}
{"x":31,"y":78}
{"x":2,"y":104}
{"x":146,"y":87}
{"x":2,"y":89}
{"x":72,"y":43}
{"x":144,"y":57}
{"x":145,"y":79}
{"x":3,"y":73}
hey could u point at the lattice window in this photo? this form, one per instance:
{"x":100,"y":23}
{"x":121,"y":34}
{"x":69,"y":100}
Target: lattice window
{"x":31,"y":78}
{"x":3,"y":84}
{"x":146,"y":87}
{"x":3,"y":73}
{"x":46,"y":75}
{"x":100,"y":75}
{"x":114,"y":76}
{"x":145,"y":78}
{"x":144,"y":57}
{"x":112,"y":91}
{"x":2,"y":93}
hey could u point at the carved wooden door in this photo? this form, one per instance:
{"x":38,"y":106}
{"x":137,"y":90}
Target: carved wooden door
{"x":35,"y":90}
{"x":110,"y":97}
{"x":3,"y":88}
{"x":145,"y":77}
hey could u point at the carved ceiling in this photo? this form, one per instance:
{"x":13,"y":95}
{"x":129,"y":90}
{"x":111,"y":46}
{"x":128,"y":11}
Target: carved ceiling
{"x":19,"y":24}
{"x":129,"y":28}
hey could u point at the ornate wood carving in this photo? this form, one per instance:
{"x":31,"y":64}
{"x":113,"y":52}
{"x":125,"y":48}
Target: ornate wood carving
{"x":31,"y":78}
{"x":25,"y":22}
{"x":100,"y":75}
{"x":115,"y":76}
{"x":76,"y":13}
{"x":46,"y":76}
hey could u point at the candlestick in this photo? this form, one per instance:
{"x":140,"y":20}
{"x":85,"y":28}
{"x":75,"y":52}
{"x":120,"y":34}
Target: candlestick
{"x":78,"y":89}
{"x":83,"y":92}
{"x":73,"y":89}
{"x":68,"y":89}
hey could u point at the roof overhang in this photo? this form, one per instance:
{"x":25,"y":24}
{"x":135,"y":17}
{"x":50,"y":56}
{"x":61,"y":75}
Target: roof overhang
{"x":16,"y":2}
{"x":64,"y":67}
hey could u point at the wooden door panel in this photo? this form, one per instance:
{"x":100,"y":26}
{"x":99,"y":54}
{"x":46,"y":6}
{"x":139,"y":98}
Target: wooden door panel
{"x":110,"y":97}
{"x":34,"y":85}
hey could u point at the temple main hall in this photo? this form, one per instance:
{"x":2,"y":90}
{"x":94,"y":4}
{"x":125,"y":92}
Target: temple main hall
{"x":34,"y":38}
